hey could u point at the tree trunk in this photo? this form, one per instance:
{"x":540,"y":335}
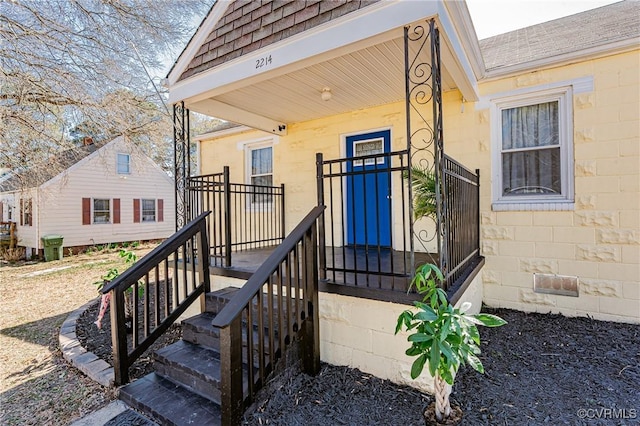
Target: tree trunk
{"x":442,"y":392}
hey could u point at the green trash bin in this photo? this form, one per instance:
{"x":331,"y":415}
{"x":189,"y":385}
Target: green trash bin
{"x":52,"y":247}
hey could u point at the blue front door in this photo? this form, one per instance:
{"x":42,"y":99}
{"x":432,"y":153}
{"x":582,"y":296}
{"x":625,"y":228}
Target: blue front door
{"x":369,"y":190}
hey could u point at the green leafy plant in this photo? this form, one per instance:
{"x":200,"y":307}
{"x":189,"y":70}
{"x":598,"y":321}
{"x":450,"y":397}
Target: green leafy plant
{"x":129,"y":259}
{"x":423,"y":183}
{"x":443,"y":337}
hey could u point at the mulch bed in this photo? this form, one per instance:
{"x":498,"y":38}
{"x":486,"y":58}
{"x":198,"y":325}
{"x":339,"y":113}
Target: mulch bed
{"x":539,"y":369}
{"x":98,"y":341}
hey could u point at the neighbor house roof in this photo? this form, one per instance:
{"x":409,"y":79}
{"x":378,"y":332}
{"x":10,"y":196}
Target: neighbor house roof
{"x":223,"y":128}
{"x":594,"y":28}
{"x":38,"y":174}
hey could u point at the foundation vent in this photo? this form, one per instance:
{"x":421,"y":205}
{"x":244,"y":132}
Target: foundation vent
{"x":563,"y":285}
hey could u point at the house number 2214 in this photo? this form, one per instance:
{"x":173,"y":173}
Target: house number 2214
{"x":263,"y":62}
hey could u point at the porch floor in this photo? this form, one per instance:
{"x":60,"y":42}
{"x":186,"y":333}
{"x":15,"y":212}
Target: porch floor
{"x":388,"y":279}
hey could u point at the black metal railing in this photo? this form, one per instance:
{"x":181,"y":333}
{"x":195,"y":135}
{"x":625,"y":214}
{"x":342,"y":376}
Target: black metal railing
{"x":153,"y":293}
{"x":461,"y":220}
{"x":244,"y":216}
{"x":366,"y":262}
{"x":365,"y":239}
{"x":455,"y":228}
{"x":275,"y":308}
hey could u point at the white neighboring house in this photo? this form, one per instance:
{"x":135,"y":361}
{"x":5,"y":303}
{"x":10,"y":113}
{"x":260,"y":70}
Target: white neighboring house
{"x":98,"y":193}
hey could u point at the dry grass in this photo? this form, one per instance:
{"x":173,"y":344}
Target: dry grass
{"x":12,"y":254}
{"x":37,"y":387}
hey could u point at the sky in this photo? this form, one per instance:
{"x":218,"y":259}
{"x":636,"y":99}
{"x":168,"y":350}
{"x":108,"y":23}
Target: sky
{"x":492,"y":17}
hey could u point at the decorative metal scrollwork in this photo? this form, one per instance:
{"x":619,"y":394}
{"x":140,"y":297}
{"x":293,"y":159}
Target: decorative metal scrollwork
{"x":182,"y":161}
{"x":424,"y":124}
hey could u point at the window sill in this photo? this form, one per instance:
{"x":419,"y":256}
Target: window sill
{"x":507,"y":206}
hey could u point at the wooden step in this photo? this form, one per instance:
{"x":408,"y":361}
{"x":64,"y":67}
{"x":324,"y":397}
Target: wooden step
{"x":168,"y":403}
{"x":192,"y":366}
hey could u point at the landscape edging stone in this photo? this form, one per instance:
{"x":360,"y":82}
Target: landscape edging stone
{"x":72,"y":351}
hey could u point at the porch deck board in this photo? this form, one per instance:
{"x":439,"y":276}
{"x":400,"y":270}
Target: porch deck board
{"x":388,"y":279}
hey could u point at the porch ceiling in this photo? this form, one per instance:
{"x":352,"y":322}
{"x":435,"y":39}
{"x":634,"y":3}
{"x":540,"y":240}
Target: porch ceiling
{"x":359,"y":56}
{"x":360,"y":79}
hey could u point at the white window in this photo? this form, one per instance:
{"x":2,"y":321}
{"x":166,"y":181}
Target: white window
{"x":533,"y":161}
{"x":26,"y":212}
{"x":260,"y":176}
{"x":101,"y":210}
{"x":124,"y":164}
{"x":148,"y":210}
{"x":368,"y":147}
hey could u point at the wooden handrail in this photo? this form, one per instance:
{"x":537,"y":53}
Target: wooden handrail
{"x":281,"y":300}
{"x":255,"y":283}
{"x":148,"y":262}
{"x":192,"y":241}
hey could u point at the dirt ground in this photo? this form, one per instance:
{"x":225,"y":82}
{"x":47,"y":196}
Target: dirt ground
{"x":37,"y":387}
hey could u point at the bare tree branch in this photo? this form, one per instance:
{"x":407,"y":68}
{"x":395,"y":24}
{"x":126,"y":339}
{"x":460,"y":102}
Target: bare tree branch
{"x":68,"y":65}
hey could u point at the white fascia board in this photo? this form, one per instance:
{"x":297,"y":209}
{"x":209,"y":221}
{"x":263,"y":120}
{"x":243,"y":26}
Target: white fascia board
{"x":217,"y":12}
{"x":564,"y":59}
{"x":228,"y":112}
{"x":219,"y":133}
{"x":453,"y":54}
{"x":374,"y":24}
{"x":463,"y":23}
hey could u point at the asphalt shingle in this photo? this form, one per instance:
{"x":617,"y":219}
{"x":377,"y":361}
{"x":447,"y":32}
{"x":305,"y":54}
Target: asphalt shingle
{"x":596,"y":27}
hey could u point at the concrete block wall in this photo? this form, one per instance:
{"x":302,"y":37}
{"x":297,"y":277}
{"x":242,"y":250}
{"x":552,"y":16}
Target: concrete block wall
{"x":359,"y":333}
{"x":599,"y":240}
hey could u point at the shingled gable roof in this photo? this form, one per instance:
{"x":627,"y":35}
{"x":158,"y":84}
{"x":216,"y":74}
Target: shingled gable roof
{"x":249,"y":25}
{"x":604,"y":26}
{"x":38,"y":174}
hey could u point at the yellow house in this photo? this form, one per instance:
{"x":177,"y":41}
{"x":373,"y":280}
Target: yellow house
{"x":548,"y":114}
{"x":530,"y":139}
